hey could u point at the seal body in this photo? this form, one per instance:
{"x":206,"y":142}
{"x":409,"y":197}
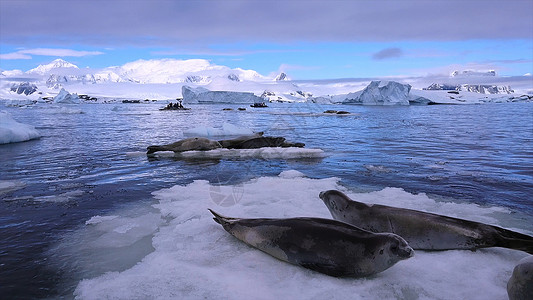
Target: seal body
{"x":258,"y":141}
{"x":326,"y":246}
{"x":422,"y":230}
{"x":520,"y":286}
{"x":196,"y":143}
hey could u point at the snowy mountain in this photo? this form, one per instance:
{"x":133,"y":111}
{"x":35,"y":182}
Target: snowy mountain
{"x":474,"y":88}
{"x":164,"y":79}
{"x":53,"y":66}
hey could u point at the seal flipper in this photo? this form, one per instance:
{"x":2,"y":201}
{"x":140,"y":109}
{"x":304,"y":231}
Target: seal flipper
{"x":220,"y":219}
{"x":514,"y":240}
{"x":155,"y":148}
{"x":324,"y":268}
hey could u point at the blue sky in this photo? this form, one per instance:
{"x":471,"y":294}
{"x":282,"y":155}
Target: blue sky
{"x":306,"y":39}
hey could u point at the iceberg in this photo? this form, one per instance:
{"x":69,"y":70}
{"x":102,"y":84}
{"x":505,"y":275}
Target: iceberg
{"x":203,"y":95}
{"x":65,"y":97}
{"x":382,"y":93}
{"x":12,"y":131}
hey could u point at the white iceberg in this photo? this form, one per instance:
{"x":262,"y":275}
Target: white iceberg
{"x":203,"y":95}
{"x":382,"y":93}
{"x":65,"y":97}
{"x":12,"y":131}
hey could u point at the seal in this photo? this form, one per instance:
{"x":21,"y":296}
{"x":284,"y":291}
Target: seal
{"x":422,"y":230}
{"x":232,"y":143}
{"x":201,"y":144}
{"x":323,"y":245}
{"x":520,"y":285}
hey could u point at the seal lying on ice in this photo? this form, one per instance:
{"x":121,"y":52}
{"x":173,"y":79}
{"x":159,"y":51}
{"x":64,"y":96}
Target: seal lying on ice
{"x":422,"y":230}
{"x":257,"y":141}
{"x":254,"y":141}
{"x":201,"y":144}
{"x":520,"y":286}
{"x":327,"y":246}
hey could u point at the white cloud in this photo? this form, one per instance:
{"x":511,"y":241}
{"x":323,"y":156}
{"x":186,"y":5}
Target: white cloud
{"x":14,"y":55}
{"x":59,"y":52}
{"x":27,"y":53}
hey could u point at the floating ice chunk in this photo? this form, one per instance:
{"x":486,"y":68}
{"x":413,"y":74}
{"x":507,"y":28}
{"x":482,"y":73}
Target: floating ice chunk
{"x":12,"y":131}
{"x":66,"y":98}
{"x":63,"y":197}
{"x":7,"y":186}
{"x":291,"y":174}
{"x":226,"y":130}
{"x":99,"y":219}
{"x":383,"y":93}
{"x":195,"y":258}
{"x":122,"y":231}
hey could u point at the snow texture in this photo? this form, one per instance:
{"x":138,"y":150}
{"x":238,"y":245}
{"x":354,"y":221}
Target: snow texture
{"x":12,"y":131}
{"x":194,"y":258}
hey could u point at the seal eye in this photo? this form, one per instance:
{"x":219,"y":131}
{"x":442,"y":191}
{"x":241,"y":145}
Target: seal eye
{"x":394,"y":249}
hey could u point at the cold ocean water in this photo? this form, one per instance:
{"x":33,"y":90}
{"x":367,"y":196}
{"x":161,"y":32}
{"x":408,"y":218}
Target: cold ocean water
{"x":85,"y":213}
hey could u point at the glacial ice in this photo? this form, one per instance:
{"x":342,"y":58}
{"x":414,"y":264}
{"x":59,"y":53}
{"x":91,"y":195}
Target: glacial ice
{"x":203,"y":95}
{"x":12,"y":131}
{"x":382,"y":93}
{"x":65,"y":97}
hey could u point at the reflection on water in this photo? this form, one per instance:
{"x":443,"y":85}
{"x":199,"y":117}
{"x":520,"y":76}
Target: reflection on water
{"x":474,"y":153}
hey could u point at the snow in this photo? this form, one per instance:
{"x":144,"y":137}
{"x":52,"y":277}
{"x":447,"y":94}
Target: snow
{"x":53,"y":66}
{"x":163,"y":79}
{"x":12,"y":131}
{"x":189,"y":256}
{"x":226,"y":130}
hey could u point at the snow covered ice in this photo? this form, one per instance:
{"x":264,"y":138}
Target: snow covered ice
{"x":203,"y":95}
{"x":12,"y":131}
{"x":194,"y":258}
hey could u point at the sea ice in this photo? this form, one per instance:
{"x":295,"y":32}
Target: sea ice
{"x":193,"y":257}
{"x":12,"y":131}
{"x":7,"y":186}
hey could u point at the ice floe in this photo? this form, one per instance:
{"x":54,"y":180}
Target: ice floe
{"x":194,"y":258}
{"x":12,"y":131}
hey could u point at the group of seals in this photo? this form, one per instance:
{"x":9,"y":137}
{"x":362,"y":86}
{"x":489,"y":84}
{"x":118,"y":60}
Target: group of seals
{"x":363,"y":240}
{"x":422,"y":230}
{"x":327,"y":246}
{"x":253,"y":141}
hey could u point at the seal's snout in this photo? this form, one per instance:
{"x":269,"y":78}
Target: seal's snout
{"x":322,"y":195}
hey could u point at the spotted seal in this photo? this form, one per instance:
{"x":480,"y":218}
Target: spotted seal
{"x":422,"y":230}
{"x":196,"y":143}
{"x":323,"y":245}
